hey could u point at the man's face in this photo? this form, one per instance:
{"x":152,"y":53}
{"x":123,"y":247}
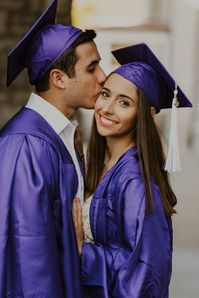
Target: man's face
{"x":84,"y":88}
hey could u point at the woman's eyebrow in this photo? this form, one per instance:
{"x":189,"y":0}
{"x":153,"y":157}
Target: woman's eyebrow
{"x":126,"y":96}
{"x":121,"y":95}
{"x":104,"y":88}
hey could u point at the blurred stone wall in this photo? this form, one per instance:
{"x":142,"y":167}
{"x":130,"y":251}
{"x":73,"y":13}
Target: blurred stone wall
{"x":16,"y":18}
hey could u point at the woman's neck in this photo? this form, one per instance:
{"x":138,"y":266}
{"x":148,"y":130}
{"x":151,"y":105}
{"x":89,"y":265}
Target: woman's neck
{"x":115,"y":149}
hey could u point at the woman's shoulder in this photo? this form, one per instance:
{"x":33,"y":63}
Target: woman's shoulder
{"x":128,"y":166}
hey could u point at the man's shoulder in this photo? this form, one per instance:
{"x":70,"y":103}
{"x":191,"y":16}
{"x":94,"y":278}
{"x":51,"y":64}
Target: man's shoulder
{"x":28,"y":123}
{"x":24,"y":121}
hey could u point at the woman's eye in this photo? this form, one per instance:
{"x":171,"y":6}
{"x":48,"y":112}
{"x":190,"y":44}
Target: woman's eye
{"x":104,"y":93}
{"x":124,"y":103}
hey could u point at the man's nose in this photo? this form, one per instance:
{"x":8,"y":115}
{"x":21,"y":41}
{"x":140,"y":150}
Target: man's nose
{"x":101,"y":76}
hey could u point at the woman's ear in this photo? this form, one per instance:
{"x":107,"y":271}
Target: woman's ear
{"x":153,"y":111}
{"x":57,"y":78}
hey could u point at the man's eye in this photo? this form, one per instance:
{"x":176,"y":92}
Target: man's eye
{"x":91,"y":69}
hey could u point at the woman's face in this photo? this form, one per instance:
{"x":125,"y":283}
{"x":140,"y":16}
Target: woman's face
{"x":116,"y":107}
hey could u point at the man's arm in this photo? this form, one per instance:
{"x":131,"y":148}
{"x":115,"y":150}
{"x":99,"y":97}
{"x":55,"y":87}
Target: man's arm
{"x":29,"y":176}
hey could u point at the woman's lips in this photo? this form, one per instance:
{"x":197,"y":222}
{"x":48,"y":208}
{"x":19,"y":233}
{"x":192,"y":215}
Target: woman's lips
{"x":105,"y":121}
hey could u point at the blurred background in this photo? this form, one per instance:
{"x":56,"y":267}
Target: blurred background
{"x":171,"y":29}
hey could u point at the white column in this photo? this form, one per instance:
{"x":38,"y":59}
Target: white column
{"x":185,"y":55}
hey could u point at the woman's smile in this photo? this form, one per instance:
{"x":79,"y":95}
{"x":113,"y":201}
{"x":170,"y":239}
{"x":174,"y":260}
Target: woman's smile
{"x":105,"y":121}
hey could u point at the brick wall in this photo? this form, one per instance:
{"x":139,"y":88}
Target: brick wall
{"x":16,"y":17}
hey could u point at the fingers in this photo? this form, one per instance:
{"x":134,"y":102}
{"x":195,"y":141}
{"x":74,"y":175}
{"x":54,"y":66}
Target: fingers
{"x":77,"y":215}
{"x":78,"y":223}
{"x":77,"y":212}
{"x":74,"y":211}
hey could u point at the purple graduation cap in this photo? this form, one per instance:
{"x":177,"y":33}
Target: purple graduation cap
{"x":42,"y":45}
{"x":143,"y":68}
{"x":140,"y":66}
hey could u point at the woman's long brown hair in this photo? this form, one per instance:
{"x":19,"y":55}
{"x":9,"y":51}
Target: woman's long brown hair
{"x":150,"y":153}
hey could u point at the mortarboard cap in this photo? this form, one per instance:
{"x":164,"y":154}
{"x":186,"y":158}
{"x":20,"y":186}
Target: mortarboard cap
{"x":143,"y":68}
{"x":50,"y":43}
{"x":43,"y":44}
{"x":16,"y":62}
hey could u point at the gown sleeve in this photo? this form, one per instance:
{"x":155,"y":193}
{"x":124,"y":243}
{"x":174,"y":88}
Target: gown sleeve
{"x":125,"y":270}
{"x":28,"y":186}
{"x":111,"y":269}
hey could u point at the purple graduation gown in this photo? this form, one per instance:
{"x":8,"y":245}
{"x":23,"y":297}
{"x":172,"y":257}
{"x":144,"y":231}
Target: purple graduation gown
{"x":132,"y":254}
{"x":38,"y":180}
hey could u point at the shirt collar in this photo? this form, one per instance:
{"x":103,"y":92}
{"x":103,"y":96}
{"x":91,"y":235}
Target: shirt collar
{"x":50,"y":113}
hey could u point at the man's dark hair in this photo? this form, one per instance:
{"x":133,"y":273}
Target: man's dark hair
{"x":66,"y":62}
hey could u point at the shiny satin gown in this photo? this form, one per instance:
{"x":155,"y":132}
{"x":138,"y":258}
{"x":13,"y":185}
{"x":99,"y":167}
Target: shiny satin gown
{"x":132,"y":253}
{"x":38,"y":180}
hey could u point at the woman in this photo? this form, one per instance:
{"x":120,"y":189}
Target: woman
{"x":127,"y":250}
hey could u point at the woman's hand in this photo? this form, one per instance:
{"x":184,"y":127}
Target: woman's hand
{"x":78,"y":223}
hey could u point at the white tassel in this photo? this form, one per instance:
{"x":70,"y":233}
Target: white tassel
{"x":173,"y":163}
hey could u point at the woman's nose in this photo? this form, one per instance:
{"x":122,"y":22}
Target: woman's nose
{"x":108,"y":107}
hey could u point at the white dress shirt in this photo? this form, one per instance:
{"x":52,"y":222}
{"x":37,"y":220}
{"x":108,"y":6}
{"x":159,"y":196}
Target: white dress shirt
{"x":64,"y":127}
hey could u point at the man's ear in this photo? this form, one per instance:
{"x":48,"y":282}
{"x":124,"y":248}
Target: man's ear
{"x":58,"y":78}
{"x":153,"y":111}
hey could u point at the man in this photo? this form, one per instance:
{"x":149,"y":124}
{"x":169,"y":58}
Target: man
{"x":40,"y":171}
